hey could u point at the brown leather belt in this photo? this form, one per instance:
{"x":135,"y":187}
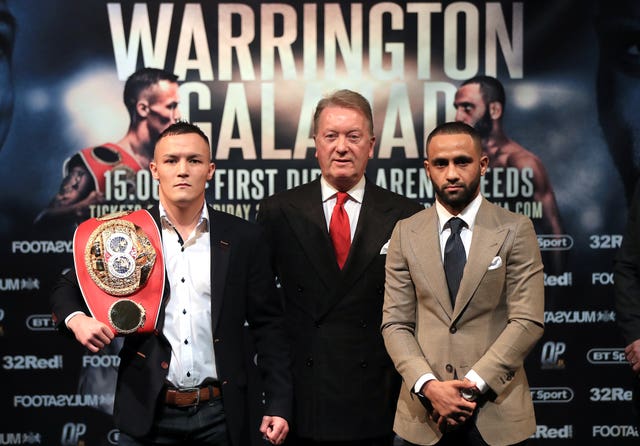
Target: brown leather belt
{"x":191,"y":397}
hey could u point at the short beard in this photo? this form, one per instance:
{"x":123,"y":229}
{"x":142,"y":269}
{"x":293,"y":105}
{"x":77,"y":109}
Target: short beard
{"x":462,"y":200}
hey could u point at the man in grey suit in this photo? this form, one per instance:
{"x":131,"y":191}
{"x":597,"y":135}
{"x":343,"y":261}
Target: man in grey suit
{"x":460,"y":344}
{"x":345,"y":385}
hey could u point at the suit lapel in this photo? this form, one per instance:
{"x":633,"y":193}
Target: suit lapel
{"x":372,"y":232}
{"x":305,"y":216}
{"x":374,"y":223}
{"x":426,"y":248}
{"x":488,"y":237}
{"x":220,"y":250}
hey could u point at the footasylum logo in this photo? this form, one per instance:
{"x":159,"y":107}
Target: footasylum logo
{"x":42,"y":247}
{"x":20,"y":438}
{"x":615,"y":431}
{"x":19,"y":284}
{"x":579,"y":317}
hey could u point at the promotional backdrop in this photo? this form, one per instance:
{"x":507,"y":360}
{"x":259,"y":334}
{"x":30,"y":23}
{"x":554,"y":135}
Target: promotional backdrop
{"x":250,"y":74}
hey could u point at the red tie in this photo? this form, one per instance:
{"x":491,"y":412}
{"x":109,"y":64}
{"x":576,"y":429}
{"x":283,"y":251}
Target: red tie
{"x":339,"y":230}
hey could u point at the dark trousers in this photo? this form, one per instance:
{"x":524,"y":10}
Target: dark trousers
{"x":293,"y":440}
{"x":197,"y":425}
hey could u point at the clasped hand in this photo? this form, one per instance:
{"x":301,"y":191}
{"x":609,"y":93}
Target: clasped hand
{"x":450,"y":409}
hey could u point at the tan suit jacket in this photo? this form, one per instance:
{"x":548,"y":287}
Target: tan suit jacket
{"x":497,"y":319}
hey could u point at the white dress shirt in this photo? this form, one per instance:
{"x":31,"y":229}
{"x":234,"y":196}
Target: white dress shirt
{"x":187,"y":323}
{"x":352,"y":205}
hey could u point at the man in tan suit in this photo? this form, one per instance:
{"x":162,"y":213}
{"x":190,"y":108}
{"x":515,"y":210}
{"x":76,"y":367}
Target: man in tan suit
{"x":460,"y":351}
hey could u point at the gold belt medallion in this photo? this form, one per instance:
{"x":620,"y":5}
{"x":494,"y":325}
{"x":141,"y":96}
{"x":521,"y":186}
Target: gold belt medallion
{"x":119,"y":258}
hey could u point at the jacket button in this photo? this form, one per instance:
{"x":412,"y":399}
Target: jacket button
{"x":164,"y":365}
{"x":363,"y":324}
{"x":300,"y":289}
{"x":453,"y":329}
{"x":449,"y":368}
{"x":364,"y":364}
{"x":309,"y":362}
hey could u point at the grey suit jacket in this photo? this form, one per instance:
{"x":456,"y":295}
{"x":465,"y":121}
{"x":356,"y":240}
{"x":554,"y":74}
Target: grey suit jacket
{"x":497,"y":319}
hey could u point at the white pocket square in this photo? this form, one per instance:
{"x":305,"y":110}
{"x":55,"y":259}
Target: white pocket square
{"x":496,"y":262}
{"x":384,"y":248}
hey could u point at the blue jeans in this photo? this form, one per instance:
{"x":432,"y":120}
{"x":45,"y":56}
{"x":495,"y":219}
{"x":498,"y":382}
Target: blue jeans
{"x":198,"y":425}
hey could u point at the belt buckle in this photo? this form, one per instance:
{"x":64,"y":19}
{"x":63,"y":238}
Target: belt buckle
{"x":189,"y":390}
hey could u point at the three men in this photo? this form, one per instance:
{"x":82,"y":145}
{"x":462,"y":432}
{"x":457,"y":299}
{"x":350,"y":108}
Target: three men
{"x":464,"y":305}
{"x":187,"y":380}
{"x":329,"y":239}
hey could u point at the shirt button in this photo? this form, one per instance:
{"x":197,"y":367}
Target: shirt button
{"x":182,"y":280}
{"x":186,"y":341}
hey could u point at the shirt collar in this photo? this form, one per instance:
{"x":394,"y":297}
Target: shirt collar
{"x":468,"y":214}
{"x":356,"y":193}
{"x":203,"y":222}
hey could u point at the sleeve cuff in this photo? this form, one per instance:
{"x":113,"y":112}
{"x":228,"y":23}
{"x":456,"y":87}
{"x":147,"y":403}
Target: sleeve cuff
{"x":68,"y":318}
{"x":421,"y":381}
{"x":480,"y":383}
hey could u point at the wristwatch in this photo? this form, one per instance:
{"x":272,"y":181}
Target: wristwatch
{"x":469,"y":394}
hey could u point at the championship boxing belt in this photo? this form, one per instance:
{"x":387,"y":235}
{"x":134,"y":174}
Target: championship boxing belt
{"x":120,"y":269}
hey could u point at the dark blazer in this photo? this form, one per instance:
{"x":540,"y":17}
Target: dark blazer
{"x":242,"y":290}
{"x":345,"y":386}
